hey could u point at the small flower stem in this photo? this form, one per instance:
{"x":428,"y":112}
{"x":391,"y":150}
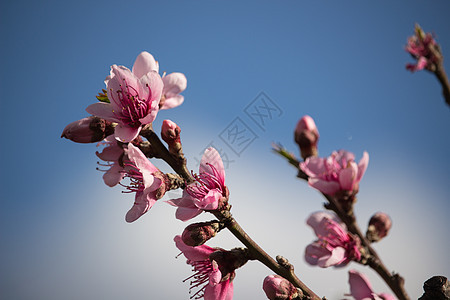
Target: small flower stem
{"x":160,"y":151}
{"x":394,"y":281}
{"x":259,"y":254}
{"x":442,"y":77}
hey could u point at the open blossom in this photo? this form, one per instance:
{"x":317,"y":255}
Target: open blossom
{"x":212,"y":280}
{"x":338,"y":172}
{"x":146,"y":181}
{"x":361,"y":289}
{"x":208,"y":192}
{"x":174,"y":83}
{"x":335,"y":246}
{"x":134,"y":97}
{"x":423,"y":48}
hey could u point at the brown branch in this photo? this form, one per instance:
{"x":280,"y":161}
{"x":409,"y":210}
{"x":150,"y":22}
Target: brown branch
{"x":257,"y":253}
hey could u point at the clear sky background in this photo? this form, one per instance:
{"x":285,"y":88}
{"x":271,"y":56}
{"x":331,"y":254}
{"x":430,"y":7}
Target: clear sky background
{"x":63,"y":233}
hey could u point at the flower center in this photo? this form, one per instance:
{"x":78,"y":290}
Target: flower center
{"x":133,"y":107}
{"x":136,"y":178}
{"x":204,"y":183}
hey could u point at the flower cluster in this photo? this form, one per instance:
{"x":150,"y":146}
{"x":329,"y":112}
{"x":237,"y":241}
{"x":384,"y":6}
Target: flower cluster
{"x":122,"y":122}
{"x":424,"y":49}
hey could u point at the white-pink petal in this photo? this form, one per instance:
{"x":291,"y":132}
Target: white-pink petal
{"x":144,"y":63}
{"x":347,"y":176}
{"x":212,"y":157}
{"x":174,"y":83}
{"x":326,"y":187}
{"x":125,"y":133}
{"x":360,"y":287}
{"x":102,"y":110}
{"x":172,"y":102}
{"x":362,"y":165}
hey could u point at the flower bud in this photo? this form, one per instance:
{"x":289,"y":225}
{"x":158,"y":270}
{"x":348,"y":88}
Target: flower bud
{"x":88,"y":130}
{"x":198,"y":233}
{"x":170,"y":133}
{"x":306,"y":136}
{"x":379,"y":226}
{"x":278,"y":288}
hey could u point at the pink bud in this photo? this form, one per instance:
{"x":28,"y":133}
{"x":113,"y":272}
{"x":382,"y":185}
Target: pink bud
{"x":170,"y":132}
{"x":278,"y":288}
{"x":379,"y":226}
{"x":88,"y":130}
{"x":198,"y":233}
{"x":306,"y":136}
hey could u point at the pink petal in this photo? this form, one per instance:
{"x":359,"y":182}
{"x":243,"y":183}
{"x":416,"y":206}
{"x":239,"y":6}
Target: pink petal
{"x":140,"y":160}
{"x":314,"y":252}
{"x":315,"y":220}
{"x":212,"y":157}
{"x":421,"y":63}
{"x":360,"y":286}
{"x":126,"y":134}
{"x":210,"y":201}
{"x":313,"y":166}
{"x":347,"y":176}
{"x":102,"y":110}
{"x":197,"y":253}
{"x":326,"y":187}
{"x":110,"y":153}
{"x":113,"y":176}
{"x":174,"y":83}
{"x":362,"y":166}
{"x":337,"y":257}
{"x":385,"y":296}
{"x":343,"y":157}
{"x":141,"y":206}
{"x":144,"y":63}
{"x":172,"y":102}
{"x":222,"y":291}
{"x":153,"y":82}
{"x":184,"y":214}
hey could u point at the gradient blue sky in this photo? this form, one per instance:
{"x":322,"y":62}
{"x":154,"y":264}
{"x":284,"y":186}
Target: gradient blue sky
{"x":63,"y":234}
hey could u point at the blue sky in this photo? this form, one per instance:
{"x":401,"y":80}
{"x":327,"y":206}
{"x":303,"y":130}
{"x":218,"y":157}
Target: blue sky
{"x":63,"y":231}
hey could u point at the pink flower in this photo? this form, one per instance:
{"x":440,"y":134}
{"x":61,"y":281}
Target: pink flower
{"x":212,"y":283}
{"x":208,"y":192}
{"x":361,"y":289}
{"x":146,"y":181}
{"x":421,"y":47}
{"x":278,"y":288}
{"x":134,"y":97}
{"x":335,"y":246}
{"x":111,"y":154}
{"x":338,"y":172}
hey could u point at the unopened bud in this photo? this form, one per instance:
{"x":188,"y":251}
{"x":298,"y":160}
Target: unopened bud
{"x":279,"y":288}
{"x":306,"y":136}
{"x":198,"y":233}
{"x":170,"y":133}
{"x":379,"y":226}
{"x":88,"y":130}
